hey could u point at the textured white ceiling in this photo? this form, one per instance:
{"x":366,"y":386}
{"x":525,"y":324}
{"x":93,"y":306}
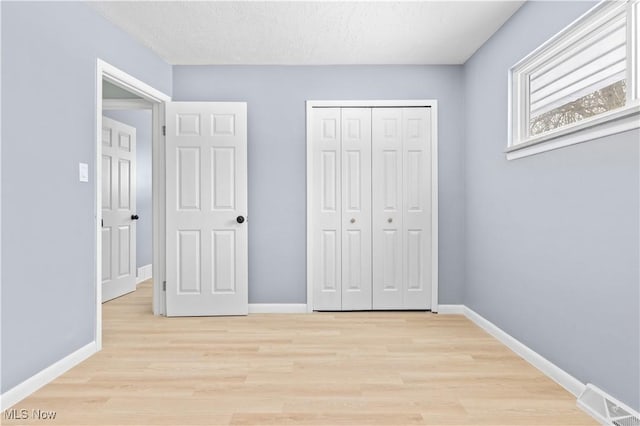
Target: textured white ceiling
{"x":313,"y":33}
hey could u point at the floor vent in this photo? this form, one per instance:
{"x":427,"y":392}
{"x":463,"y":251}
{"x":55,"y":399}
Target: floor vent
{"x":606,"y":409}
{"x":627,"y":421}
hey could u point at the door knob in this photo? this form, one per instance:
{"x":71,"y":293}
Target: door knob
{"x":240,"y":219}
{"x":134,"y":217}
{"x":389,"y":220}
{"x":353,"y":220}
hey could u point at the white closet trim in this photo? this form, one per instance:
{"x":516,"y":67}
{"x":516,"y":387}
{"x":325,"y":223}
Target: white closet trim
{"x":430,"y":103}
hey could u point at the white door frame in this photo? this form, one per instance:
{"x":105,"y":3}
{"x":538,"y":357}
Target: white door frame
{"x":431,"y":103}
{"x":157,"y":99}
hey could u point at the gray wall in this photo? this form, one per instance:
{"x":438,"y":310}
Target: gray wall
{"x":552,"y":239}
{"x":49,"y":55}
{"x":141,"y":120}
{"x":277,"y":161}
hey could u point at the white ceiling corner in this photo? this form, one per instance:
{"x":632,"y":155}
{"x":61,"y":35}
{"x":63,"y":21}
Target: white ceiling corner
{"x":310,"y":32}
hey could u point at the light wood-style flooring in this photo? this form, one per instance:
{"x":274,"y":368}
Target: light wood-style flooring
{"x":368,"y":368}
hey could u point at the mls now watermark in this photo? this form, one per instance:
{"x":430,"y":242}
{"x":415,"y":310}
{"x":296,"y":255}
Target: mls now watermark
{"x":24,"y":414}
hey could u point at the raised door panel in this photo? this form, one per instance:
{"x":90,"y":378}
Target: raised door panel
{"x":124,"y":141}
{"x":387,"y":208}
{"x":352,"y":181}
{"x":107,"y":270}
{"x":125,"y":268}
{"x":224,"y":261}
{"x":356,"y":208}
{"x":329,"y":262}
{"x":223,"y":124}
{"x":107,"y":135}
{"x":417,"y":208}
{"x":124,"y":184}
{"x":223,"y":177}
{"x":207,"y":266}
{"x":328,"y":181}
{"x":415,"y":192}
{"x":415,"y":243}
{"x":353,"y":261}
{"x":189,"y":273}
{"x":188,"y":178}
{"x":326,"y":205}
{"x":107,"y":185}
{"x":391,"y":263}
{"x":188,"y":124}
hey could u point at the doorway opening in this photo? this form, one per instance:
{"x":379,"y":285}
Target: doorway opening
{"x":121,"y":98}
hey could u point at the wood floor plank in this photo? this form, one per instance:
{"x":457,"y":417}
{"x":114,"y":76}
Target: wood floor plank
{"x":352,"y":368}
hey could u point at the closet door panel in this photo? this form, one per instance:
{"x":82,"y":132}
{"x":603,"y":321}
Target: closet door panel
{"x":356,"y":209}
{"x":416,"y":125}
{"x":326,"y":207}
{"x":387,"y":208}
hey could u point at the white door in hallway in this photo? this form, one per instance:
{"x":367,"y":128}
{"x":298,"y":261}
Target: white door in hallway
{"x":206,"y":208}
{"x":118,"y":209}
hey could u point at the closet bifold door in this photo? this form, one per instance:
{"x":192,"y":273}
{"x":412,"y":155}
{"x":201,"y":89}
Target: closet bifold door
{"x":326,"y":209}
{"x":387,"y":205}
{"x":401,"y":204}
{"x":356,"y":209}
{"x":416,"y":127}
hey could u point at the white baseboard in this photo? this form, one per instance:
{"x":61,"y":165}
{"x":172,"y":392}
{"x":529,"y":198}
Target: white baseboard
{"x":144,"y":273}
{"x":451,"y":309}
{"x":551,"y":370}
{"x":32,"y":384}
{"x":277,"y":308}
{"x":555,"y":373}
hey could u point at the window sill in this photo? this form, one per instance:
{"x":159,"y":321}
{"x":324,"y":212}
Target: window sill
{"x":620,"y":120}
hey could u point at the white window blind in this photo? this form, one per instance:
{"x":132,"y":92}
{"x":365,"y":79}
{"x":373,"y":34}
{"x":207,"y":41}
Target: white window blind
{"x":598,"y":61}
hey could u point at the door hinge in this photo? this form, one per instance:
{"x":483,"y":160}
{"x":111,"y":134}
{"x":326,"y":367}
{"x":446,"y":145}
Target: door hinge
{"x":164,"y":130}
{"x":164,"y":286}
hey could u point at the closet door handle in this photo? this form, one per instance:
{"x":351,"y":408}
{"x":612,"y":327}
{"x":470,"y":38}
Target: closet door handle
{"x":353,"y":220}
{"x":390,"y":220}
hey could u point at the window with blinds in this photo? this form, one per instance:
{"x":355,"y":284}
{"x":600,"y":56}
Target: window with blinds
{"x":585,"y":76}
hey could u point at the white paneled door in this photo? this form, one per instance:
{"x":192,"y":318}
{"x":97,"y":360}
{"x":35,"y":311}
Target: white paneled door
{"x":118,"y":209}
{"x":206,"y":208}
{"x":370,"y":213}
{"x":341,"y":208}
{"x":356,"y":208}
{"x":416,"y":221}
{"x":402,"y":208}
{"x":325,"y":229}
{"x":388,"y":235}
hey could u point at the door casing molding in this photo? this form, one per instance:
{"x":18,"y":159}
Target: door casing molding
{"x":126,"y":104}
{"x":157,"y":99}
{"x":430,"y":103}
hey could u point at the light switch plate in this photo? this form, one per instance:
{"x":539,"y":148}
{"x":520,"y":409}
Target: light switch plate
{"x":83,"y":171}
